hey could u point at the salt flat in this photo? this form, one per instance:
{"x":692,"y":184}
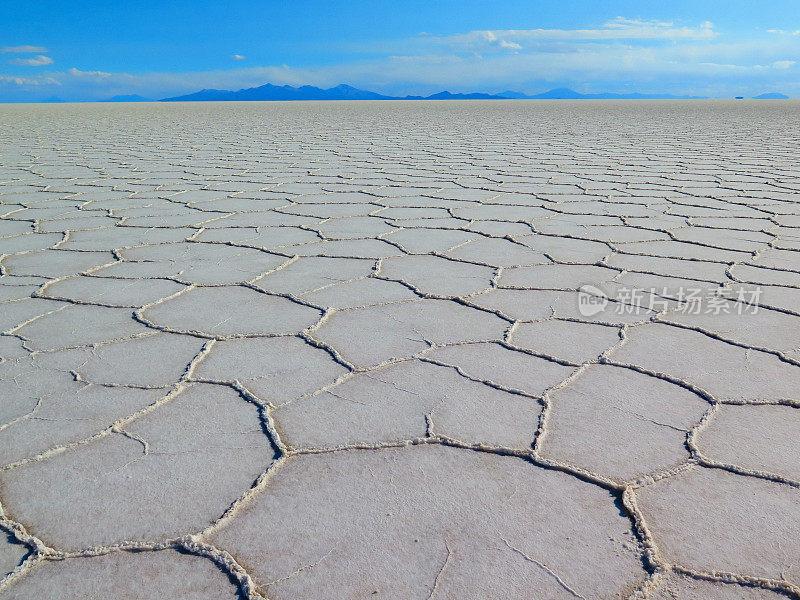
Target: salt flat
{"x":414,"y":350}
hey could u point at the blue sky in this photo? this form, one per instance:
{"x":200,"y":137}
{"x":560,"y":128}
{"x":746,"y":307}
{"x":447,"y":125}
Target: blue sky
{"x":85,"y":50}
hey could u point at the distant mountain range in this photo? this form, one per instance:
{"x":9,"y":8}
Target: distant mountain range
{"x":347,"y":92}
{"x":309,"y":92}
{"x":568,"y":94}
{"x":771,"y":96}
{"x":127,"y":98}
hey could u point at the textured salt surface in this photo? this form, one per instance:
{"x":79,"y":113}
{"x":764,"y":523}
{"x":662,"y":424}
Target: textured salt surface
{"x":336,"y":351}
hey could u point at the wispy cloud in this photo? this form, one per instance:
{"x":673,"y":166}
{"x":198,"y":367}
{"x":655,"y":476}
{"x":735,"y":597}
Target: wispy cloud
{"x":22,"y":49}
{"x":238,"y":57}
{"x":510,"y":45}
{"x":778,"y":64}
{"x":36,"y":61}
{"x":618,"y":28}
{"x":26,"y":81}
{"x":91,"y":74}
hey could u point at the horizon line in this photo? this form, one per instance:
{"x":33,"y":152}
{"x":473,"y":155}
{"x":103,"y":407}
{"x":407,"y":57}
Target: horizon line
{"x":557,"y":93}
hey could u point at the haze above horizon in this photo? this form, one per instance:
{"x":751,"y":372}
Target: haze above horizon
{"x":94,"y":50}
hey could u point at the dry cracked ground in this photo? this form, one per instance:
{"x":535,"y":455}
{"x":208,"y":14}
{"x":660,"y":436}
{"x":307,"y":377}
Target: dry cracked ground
{"x":322,"y":351}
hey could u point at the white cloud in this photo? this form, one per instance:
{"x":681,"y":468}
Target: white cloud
{"x":238,"y":57}
{"x":92,"y":74}
{"x":28,"y":80}
{"x":510,"y":45}
{"x":36,"y":61}
{"x":22,"y":49}
{"x":615,"y":29}
{"x":777,"y":64}
{"x":622,"y":22}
